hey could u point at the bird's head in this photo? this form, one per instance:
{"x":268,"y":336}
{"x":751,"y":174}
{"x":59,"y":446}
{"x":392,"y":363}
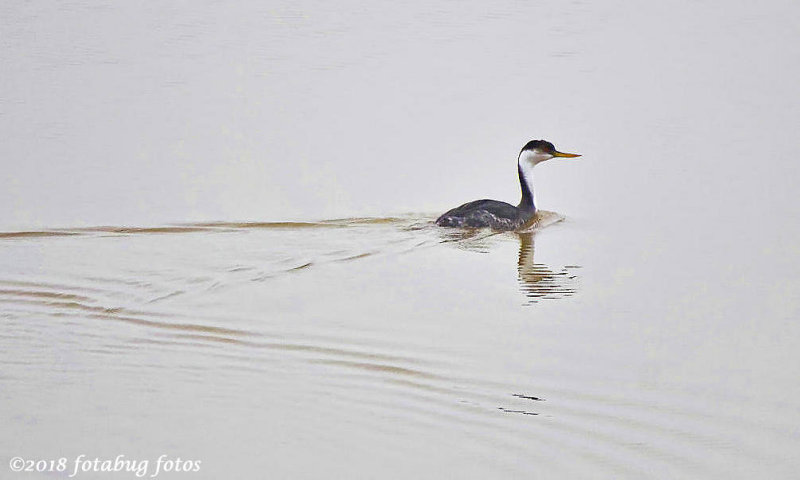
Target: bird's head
{"x":537,"y":151}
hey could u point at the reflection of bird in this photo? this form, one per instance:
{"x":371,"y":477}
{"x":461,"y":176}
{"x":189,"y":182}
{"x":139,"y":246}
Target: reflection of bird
{"x":501,"y":215}
{"x":536,"y":280}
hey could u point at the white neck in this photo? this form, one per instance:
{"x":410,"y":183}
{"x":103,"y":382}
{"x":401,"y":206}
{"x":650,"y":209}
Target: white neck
{"x":526,"y":161}
{"x":527,"y":174}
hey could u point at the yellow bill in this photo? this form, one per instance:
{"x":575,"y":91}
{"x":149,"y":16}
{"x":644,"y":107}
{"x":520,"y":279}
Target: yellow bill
{"x":565,"y":155}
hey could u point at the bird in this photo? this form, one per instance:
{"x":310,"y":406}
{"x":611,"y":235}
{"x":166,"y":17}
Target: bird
{"x":501,"y":215}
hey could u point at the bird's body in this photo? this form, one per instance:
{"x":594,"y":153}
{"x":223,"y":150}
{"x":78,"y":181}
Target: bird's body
{"x":501,"y":215}
{"x":492,"y":213}
{"x":486,"y":213}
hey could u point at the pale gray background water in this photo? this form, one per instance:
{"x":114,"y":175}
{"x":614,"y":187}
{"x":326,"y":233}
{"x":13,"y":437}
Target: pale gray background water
{"x":390,"y":349}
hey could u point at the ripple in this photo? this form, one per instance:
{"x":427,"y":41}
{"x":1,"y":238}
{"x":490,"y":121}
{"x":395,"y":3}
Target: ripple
{"x":263,"y":305}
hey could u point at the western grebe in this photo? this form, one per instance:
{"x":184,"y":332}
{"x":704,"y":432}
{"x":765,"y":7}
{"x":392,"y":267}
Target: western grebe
{"x":501,"y":215}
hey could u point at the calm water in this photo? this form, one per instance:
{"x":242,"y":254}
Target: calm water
{"x":216,"y":239}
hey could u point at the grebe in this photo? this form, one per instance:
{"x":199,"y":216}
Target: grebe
{"x":501,"y":215}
